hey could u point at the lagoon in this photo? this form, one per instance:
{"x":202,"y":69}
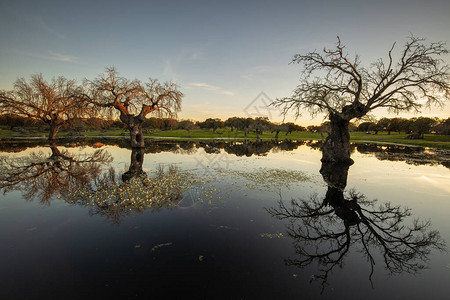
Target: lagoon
{"x":223,"y":220}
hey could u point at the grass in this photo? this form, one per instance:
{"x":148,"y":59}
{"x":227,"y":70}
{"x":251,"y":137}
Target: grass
{"x":430,"y":140}
{"x":230,"y":135}
{"x":111,"y":132}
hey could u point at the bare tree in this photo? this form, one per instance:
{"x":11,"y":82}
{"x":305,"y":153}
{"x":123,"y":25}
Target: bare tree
{"x":335,"y":84}
{"x":133,"y":100}
{"x":50,"y":102}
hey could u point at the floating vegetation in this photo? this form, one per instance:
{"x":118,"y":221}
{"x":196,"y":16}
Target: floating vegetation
{"x":272,"y":235}
{"x":160,"y":246}
{"x":224,"y":227}
{"x":264,"y":178}
{"x":166,"y":188}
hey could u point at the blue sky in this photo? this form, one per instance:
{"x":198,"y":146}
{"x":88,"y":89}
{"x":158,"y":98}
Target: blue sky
{"x":223,"y":54}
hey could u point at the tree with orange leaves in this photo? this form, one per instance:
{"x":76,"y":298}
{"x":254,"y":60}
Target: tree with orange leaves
{"x":49,"y":101}
{"x":133,"y":99}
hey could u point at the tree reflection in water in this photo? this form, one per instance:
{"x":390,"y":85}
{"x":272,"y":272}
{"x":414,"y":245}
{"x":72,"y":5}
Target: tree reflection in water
{"x":40,"y":176}
{"x":323,"y":231}
{"x":81,"y":179}
{"x":411,"y":155}
{"x":135,"y":192}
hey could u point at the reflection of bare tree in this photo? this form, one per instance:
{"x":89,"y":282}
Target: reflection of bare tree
{"x":135,"y":169}
{"x":135,"y":192}
{"x":38,"y":175}
{"x":324,"y":230}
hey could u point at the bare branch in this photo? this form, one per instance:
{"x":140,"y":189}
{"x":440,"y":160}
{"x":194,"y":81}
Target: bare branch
{"x":343,"y":87}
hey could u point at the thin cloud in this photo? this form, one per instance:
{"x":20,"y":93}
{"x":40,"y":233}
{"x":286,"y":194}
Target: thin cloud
{"x":51,"y":55}
{"x":262,"y":69}
{"x":41,"y":23}
{"x":210,"y":87}
{"x":256,"y":72}
{"x":62,"y":57}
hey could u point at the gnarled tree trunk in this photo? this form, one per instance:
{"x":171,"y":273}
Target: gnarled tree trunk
{"x":136,"y":136}
{"x":135,"y":169}
{"x":337,"y":143}
{"x":134,"y":124}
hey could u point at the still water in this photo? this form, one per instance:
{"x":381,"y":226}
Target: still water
{"x":223,"y":221}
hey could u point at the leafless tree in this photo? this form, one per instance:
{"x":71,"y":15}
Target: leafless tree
{"x":133,"y":99}
{"x":50,"y":102}
{"x":340,"y":86}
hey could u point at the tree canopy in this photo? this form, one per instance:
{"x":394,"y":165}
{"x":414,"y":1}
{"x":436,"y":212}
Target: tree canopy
{"x":50,"y":102}
{"x":133,"y":99}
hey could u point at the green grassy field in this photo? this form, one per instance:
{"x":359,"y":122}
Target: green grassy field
{"x":430,"y":140}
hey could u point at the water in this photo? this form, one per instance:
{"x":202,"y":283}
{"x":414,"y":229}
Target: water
{"x":217,"y":221}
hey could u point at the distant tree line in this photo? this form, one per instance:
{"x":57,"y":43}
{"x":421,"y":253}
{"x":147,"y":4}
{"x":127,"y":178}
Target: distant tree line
{"x":257,"y":125}
{"x":246,"y":125}
{"x":420,"y":125}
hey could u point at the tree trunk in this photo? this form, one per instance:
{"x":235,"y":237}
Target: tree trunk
{"x":135,"y":169}
{"x":53,"y":131}
{"x":136,"y":136}
{"x":335,"y":175}
{"x":55,"y":150}
{"x":337,"y":144}
{"x":134,"y":125}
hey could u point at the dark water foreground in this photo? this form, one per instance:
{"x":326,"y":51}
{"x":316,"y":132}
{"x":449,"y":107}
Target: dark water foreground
{"x":221,"y":220}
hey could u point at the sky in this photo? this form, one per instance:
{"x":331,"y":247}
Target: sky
{"x":230,"y":58}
